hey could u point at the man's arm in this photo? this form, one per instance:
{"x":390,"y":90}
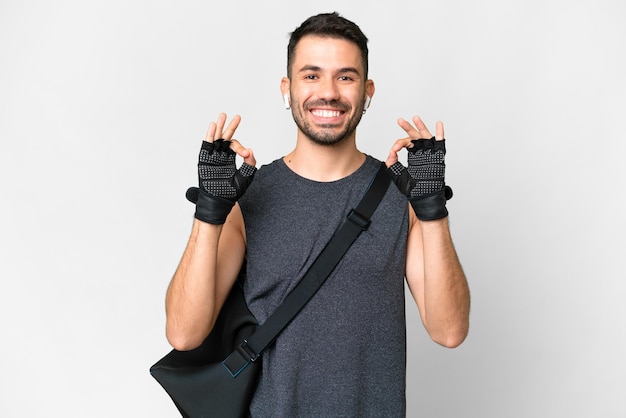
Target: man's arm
{"x":433,"y":270}
{"x":207,"y":270}
{"x":437,"y":281}
{"x":216,"y":247}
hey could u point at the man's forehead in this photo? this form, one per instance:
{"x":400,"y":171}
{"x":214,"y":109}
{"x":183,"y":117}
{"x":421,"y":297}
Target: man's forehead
{"x":315,"y":50}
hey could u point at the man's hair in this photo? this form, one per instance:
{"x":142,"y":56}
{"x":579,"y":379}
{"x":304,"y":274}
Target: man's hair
{"x":330,"y":25}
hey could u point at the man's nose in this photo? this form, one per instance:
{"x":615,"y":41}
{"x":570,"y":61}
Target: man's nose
{"x":328,"y":90}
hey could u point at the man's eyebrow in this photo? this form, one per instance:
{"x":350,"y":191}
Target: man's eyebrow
{"x":309,"y":68}
{"x":340,"y":71}
{"x":349,"y":70}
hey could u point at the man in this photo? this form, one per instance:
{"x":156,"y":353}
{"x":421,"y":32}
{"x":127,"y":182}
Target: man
{"x":344,"y":354}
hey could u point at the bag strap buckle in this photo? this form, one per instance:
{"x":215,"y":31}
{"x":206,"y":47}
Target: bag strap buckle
{"x":239,"y":359}
{"x":246,"y":351}
{"x":359,"y":220}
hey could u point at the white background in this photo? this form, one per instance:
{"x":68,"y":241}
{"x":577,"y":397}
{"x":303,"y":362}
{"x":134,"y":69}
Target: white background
{"x":103,"y":105}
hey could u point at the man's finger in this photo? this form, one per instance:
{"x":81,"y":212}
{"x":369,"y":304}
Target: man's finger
{"x":221,"y":121}
{"x":243,"y":152}
{"x":210,"y":133}
{"x":408,"y":128}
{"x":421,"y":127}
{"x":392,"y":158}
{"x":231,"y":128}
{"x":439,"y":136}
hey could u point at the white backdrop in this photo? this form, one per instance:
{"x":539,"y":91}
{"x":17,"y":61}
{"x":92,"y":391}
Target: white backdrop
{"x":103,"y":105}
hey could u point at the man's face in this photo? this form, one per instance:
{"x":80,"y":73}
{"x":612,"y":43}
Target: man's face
{"x":327,"y":88}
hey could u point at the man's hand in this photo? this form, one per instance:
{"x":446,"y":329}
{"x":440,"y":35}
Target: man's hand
{"x":220,"y":183}
{"x":423,"y":181}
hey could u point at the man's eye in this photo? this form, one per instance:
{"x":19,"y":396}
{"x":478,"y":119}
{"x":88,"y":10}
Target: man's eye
{"x":345,"y":78}
{"x":310,"y":77}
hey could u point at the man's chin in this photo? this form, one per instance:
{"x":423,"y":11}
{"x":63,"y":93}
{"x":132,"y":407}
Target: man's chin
{"x":325,"y":134}
{"x":328,"y":138}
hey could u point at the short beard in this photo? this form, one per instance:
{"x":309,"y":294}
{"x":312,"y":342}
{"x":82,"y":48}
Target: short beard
{"x":323,"y":136}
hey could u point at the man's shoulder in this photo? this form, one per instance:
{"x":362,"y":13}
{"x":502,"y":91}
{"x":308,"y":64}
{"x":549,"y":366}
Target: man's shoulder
{"x":265,"y":179}
{"x":271,"y":168}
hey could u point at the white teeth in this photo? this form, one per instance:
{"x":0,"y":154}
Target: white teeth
{"x":326,"y":113}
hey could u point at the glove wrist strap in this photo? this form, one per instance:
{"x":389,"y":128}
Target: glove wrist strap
{"x":432,"y":206}
{"x":210,"y":209}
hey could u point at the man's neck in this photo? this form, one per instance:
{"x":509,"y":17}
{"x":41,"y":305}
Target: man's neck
{"x":324,"y":163}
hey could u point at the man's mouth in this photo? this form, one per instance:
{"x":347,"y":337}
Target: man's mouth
{"x":326,"y":113}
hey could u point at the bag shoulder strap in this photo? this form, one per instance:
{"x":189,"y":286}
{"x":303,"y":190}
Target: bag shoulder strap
{"x":357,"y":222}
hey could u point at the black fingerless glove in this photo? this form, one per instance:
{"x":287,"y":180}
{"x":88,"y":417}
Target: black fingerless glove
{"x":423,"y":181}
{"x":221,"y":184}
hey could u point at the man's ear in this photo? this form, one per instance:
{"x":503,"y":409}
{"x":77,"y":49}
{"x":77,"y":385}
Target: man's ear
{"x":370,"y":88}
{"x":284,"y":90}
{"x":285,"y":84}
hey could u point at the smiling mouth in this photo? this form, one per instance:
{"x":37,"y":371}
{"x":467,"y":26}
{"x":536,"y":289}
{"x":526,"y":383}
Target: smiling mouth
{"x":326,"y":113}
